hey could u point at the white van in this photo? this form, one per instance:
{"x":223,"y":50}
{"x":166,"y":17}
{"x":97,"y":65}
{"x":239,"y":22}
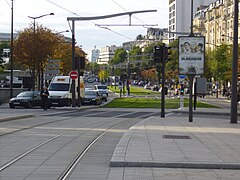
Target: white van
{"x":60,"y":91}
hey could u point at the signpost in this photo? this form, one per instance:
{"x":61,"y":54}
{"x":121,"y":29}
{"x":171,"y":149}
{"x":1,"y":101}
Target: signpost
{"x":191,"y":61}
{"x":73,"y":75}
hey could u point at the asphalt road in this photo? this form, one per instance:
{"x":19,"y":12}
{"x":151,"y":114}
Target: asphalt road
{"x":44,"y":146}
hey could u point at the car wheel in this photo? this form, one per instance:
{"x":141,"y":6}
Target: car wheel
{"x":11,"y":106}
{"x":29,"y":105}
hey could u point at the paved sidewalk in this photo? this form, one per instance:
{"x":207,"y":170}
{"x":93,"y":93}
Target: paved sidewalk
{"x":173,"y":148}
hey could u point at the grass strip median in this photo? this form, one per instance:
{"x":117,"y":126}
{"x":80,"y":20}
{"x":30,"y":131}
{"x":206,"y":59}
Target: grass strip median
{"x":151,"y":103}
{"x":134,"y":90}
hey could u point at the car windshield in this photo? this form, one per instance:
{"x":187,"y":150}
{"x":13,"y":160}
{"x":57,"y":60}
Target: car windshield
{"x":102,"y":87}
{"x":90,"y":93}
{"x":59,"y":87}
{"x":102,"y":92}
{"x":26,"y":94}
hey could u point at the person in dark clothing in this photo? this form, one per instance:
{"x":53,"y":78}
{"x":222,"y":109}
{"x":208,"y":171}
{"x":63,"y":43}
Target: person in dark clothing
{"x":44,"y":95}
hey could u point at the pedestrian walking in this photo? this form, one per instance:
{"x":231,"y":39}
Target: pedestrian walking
{"x":44,"y":95}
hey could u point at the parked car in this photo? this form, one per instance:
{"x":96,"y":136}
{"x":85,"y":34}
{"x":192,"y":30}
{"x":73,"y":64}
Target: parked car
{"x":103,"y":95}
{"x":101,"y":88}
{"x":27,"y":99}
{"x":92,"y":97}
{"x":90,"y":80}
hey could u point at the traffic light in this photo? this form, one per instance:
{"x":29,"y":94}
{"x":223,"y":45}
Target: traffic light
{"x":82,"y":62}
{"x":157,"y":52}
{"x":167,"y":53}
{"x":79,"y":62}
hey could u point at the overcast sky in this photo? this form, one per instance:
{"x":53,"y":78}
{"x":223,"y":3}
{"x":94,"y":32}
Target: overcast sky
{"x":87,"y":33}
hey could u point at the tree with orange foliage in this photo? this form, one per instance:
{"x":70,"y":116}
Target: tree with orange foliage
{"x":149,"y":74}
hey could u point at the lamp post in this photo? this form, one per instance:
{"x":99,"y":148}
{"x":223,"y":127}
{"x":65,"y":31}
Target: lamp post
{"x":234,"y":98}
{"x":11,"y":55}
{"x":34,"y":60}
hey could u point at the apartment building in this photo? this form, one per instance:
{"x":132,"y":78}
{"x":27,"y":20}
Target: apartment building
{"x":215,"y":22}
{"x":106,"y":54}
{"x":180,"y":16}
{"x":6,"y":37}
{"x":95,"y":54}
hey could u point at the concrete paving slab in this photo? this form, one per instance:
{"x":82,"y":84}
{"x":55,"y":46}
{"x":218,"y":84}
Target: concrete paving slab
{"x":211,"y":144}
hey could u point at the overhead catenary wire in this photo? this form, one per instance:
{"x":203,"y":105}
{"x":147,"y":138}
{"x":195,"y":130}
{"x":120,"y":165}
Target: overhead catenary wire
{"x":126,"y":11}
{"x":8,"y":3}
{"x":88,"y":20}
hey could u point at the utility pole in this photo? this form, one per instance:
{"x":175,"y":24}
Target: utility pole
{"x":73,"y":64}
{"x":234,"y":95}
{"x":191,"y":76}
{"x":11,"y":55}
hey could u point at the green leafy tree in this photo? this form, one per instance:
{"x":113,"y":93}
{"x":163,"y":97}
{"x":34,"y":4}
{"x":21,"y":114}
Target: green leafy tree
{"x":135,"y":53}
{"x":171,"y":68}
{"x":210,"y":65}
{"x":223,"y":62}
{"x":119,"y":56}
{"x":93,"y":67}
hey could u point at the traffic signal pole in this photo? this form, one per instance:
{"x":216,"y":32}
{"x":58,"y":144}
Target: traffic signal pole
{"x":163,"y":58}
{"x":73,"y":64}
{"x":160,"y":56}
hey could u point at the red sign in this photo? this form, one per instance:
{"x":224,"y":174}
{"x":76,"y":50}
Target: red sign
{"x":73,"y":75}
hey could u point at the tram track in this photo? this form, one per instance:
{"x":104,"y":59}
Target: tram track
{"x":46,"y":123}
{"x":67,"y":172}
{"x":73,"y":163}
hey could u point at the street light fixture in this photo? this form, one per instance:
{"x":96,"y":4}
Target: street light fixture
{"x":34,"y":32}
{"x":62,"y":32}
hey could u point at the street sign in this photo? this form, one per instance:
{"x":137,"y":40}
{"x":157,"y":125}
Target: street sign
{"x":181,"y":76}
{"x":73,"y":75}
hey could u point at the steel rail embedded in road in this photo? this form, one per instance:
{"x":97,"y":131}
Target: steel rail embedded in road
{"x":66,"y":174}
{"x":8,"y":164}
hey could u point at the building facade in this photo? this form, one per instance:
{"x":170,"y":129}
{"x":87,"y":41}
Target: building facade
{"x":216,"y":23}
{"x":6,"y":37}
{"x":95,"y":54}
{"x":180,"y":16}
{"x":106,"y":54}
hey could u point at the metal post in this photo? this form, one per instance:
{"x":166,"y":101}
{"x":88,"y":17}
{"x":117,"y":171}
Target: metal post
{"x":34,"y":63}
{"x":163,"y":81}
{"x":234,"y":95}
{"x":78,"y":88}
{"x":191,"y":77}
{"x":191,"y":33}
{"x":128,"y":75}
{"x":195,"y":96}
{"x":73,"y":64}
{"x":11,"y":80}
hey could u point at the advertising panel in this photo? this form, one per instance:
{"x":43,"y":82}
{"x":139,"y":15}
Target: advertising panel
{"x":191,"y":55}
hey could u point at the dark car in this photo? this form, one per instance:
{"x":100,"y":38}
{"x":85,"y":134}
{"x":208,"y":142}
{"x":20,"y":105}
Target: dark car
{"x":92,"y":97}
{"x":26,"y":99}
